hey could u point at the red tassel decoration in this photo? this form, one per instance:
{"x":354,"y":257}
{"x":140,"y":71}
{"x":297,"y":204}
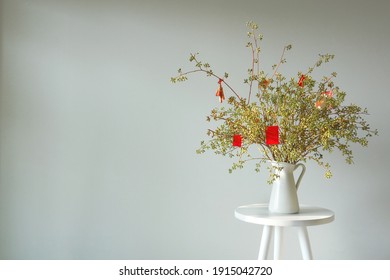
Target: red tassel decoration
{"x":219,"y":91}
{"x":300,"y":81}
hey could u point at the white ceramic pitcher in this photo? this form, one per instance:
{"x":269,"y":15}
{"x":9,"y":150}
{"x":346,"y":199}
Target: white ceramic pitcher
{"x":284,"y":198}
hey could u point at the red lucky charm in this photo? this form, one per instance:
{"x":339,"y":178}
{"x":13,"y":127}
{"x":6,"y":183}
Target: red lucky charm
{"x":327,"y":93}
{"x":264,"y":83}
{"x":300,"y":81}
{"x":237,"y":140}
{"x":219,"y":91}
{"x":319,"y":104}
{"x":272,"y":135}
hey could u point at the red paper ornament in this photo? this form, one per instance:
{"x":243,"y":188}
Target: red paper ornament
{"x":272,"y":135}
{"x":237,"y":140}
{"x":219,"y":91}
{"x":300,"y":81}
{"x":328,"y":93}
{"x":319,"y":104}
{"x":264,"y":83}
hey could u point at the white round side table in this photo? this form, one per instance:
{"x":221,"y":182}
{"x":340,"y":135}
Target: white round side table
{"x":274,"y":223}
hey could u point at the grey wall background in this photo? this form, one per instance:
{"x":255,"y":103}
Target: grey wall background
{"x":98,"y":148}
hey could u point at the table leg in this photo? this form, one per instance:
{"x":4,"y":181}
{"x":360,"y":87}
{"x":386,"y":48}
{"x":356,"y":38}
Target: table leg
{"x":278,"y":243}
{"x":305,"y":243}
{"x":264,"y":244}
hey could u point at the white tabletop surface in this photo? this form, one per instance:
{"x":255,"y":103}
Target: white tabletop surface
{"x":307,"y":216}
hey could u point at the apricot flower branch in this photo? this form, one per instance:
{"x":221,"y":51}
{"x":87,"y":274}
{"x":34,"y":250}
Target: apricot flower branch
{"x":292,"y":119}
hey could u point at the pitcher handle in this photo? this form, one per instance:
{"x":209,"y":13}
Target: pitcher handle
{"x":301,"y":175}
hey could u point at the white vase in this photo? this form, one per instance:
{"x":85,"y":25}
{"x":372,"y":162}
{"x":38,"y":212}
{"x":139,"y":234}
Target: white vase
{"x":284,"y":198}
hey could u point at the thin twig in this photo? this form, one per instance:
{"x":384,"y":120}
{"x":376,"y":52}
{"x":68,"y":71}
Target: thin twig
{"x":280,"y":62}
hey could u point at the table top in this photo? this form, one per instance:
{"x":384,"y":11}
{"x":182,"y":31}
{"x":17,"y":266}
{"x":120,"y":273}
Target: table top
{"x":307,"y":216}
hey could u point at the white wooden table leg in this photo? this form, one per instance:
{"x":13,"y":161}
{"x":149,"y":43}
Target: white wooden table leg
{"x":305,"y":243}
{"x":278,"y":243}
{"x":264,"y":244}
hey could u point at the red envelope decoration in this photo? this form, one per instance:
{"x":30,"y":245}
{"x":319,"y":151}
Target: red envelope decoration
{"x":237,"y":140}
{"x":272,"y":135}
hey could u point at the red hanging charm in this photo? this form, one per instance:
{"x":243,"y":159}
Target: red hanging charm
{"x":219,"y":91}
{"x":272,"y":135}
{"x":263,"y":84}
{"x":237,"y":140}
{"x":321,"y":102}
{"x":328,"y":93}
{"x":300,"y":81}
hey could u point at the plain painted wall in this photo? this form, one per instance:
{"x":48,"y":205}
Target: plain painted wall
{"x":97,"y":147}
